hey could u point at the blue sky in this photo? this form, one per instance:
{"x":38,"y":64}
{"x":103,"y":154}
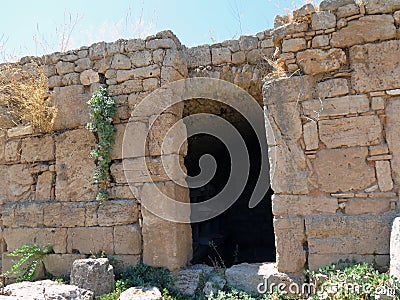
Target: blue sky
{"x":36,"y":27}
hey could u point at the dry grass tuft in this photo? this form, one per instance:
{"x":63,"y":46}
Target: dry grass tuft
{"x":25,"y":97}
{"x":278,"y":69}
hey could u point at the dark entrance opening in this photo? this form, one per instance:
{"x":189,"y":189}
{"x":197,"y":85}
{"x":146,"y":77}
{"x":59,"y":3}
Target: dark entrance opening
{"x":240,"y":234}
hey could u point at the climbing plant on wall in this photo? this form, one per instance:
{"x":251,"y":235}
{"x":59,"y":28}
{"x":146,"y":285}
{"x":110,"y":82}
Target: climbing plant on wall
{"x":102,"y":110}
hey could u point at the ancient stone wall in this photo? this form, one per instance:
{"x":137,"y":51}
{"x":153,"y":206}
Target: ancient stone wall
{"x":335,"y":123}
{"x":333,"y":146}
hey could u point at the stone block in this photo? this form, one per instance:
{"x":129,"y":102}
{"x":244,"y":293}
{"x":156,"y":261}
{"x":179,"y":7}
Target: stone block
{"x":65,"y":214}
{"x":364,"y":30}
{"x":361,"y":206}
{"x":395,"y":248}
{"x":16,"y":237}
{"x":2,"y":145}
{"x":377,"y":103}
{"x":288,"y":125}
{"x":345,"y":234}
{"x":8,"y":262}
{"x":138,"y":293}
{"x":127,"y":87}
{"x":118,"y":212}
{"x":19,"y":131}
{"x":121,"y":263}
{"x":220,"y":56}
{"x":121,"y":62}
{"x":89,"y":240}
{"x":74,"y":182}
{"x":355,"y":131}
{"x":342,"y":170}
{"x":372,"y":70}
{"x":304,"y":11}
{"x":316,"y":61}
{"x":188,"y":279}
{"x":12,"y":151}
{"x":320,"y":41}
{"x":302,"y":205}
{"x":141,"y":58}
{"x":25,"y":214}
{"x":283,"y":30}
{"x":44,"y":186}
{"x":317,"y":261}
{"x":88,"y":77}
{"x":60,"y":264}
{"x":289,"y":241}
{"x":247,"y":43}
{"x":376,"y":6}
{"x":238,"y":57}
{"x":333,"y":5}
{"x":72,"y":108}
{"x":36,"y":149}
{"x":164,"y":43}
{"x":310,"y":132}
{"x":347,"y":11}
{"x":332,"y":88}
{"x":65,"y":67}
{"x":127,"y":239}
{"x":294,"y":45}
{"x":198,"y":56}
{"x":384,"y":175}
{"x":16,"y":182}
{"x":340,"y":106}
{"x":393,"y":135}
{"x":323,"y":20}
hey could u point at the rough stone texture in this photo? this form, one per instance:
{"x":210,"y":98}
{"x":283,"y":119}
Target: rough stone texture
{"x":46,"y":289}
{"x":342,"y":170}
{"x":96,"y":275}
{"x":360,"y":206}
{"x":332,"y":88}
{"x":333,"y":5}
{"x":74,"y":181}
{"x":294,"y":45}
{"x":36,"y":149}
{"x":88,"y":77}
{"x":87,"y":240}
{"x":376,"y":6}
{"x":315,"y":61}
{"x":60,"y":264}
{"x":44,"y":186}
{"x":395,"y":248}
{"x":374,"y":71}
{"x":138,"y":293}
{"x":188,"y":280}
{"x":393,"y":136}
{"x":214,"y":284}
{"x":323,"y":20}
{"x":365,"y":30}
{"x":356,"y":131}
{"x":311,"y":139}
{"x":299,"y":205}
{"x":384,"y":176}
{"x":127,"y":239}
{"x":16,"y":183}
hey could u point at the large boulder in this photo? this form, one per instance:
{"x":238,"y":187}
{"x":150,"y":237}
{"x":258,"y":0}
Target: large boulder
{"x":188,"y":280}
{"x":138,"y":293}
{"x":96,"y":275}
{"x":46,"y":289}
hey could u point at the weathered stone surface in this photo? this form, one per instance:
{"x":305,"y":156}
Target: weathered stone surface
{"x":214,"y":284}
{"x":16,"y":182}
{"x":332,"y":88}
{"x":288,"y":124}
{"x":247,"y":42}
{"x":347,"y":11}
{"x":60,"y":264}
{"x":384,"y":175}
{"x":376,"y":6}
{"x":96,"y":275}
{"x":138,"y":293}
{"x":316,"y":261}
{"x":25,"y":214}
{"x":188,"y":279}
{"x":315,"y":61}
{"x":198,"y":56}
{"x":294,"y":45}
{"x":311,"y":139}
{"x":44,"y":186}
{"x":45,"y":289}
{"x":280,"y":32}
{"x":126,"y":140}
{"x":37,"y":149}
{"x":127,"y":239}
{"x":396,"y":17}
{"x":289,"y":240}
{"x":74,"y":181}
{"x":393,"y":135}
{"x":88,"y":77}
{"x":87,"y":240}
{"x":19,"y":131}
{"x":66,"y":214}
{"x":335,"y":106}
{"x":355,"y":131}
{"x":64,"y":67}
{"x":374,"y":71}
{"x":303,"y":11}
{"x":164,"y":43}
{"x":16,"y":237}
{"x":220,"y":56}
{"x":341,"y":234}
{"x":12,"y":151}
{"x":320,"y":41}
{"x":141,"y":58}
{"x":72,"y":108}
{"x":360,"y":206}
{"x":342,"y":170}
{"x":2,"y":144}
{"x":333,"y":5}
{"x":121,"y":62}
{"x":299,"y":205}
{"x":395,"y":248}
{"x":323,"y":20}
{"x":365,"y":30}
{"x":118,"y":212}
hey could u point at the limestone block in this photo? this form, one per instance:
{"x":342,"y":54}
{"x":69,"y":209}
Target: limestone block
{"x":395,"y":248}
{"x":320,"y":41}
{"x":158,"y":138}
{"x":316,"y":261}
{"x":355,"y":131}
{"x":118,"y":212}
{"x":87,"y":240}
{"x":280,"y":32}
{"x":304,"y":11}
{"x":74,"y":180}
{"x":342,"y":234}
{"x":54,"y":81}
{"x":141,"y":293}
{"x":376,"y":6}
{"x":35,"y":149}
{"x":16,"y":237}
{"x":88,"y":77}
{"x":238,"y":57}
{"x":377,"y":103}
{"x":365,"y":30}
{"x":315,"y":61}
{"x":127,"y":239}
{"x":342,"y":170}
{"x":396,"y":17}
{"x":83,"y":64}
{"x":333,"y":88}
{"x":44,"y":186}
{"x":72,"y":108}
{"x":16,"y":182}
{"x":141,"y":58}
{"x":198,"y":56}
{"x":247,"y":43}
{"x":60,"y":264}
{"x":150,"y":84}
{"x":121,"y":62}
{"x":12,"y":151}
{"x":188,"y":279}
{"x":323,"y":20}
{"x":66,"y":214}
{"x":294,"y":45}
{"x":2,"y":144}
{"x":65,"y":67}
{"x":127,"y":140}
{"x":70,"y":79}
{"x":333,"y":5}
{"x":384,"y":175}
{"x":25,"y":214}
{"x":123,"y":192}
{"x":347,"y":11}
{"x":360,"y":206}
{"x":378,"y":150}
{"x":310,"y":131}
{"x":372,"y":70}
{"x":96,"y":275}
{"x":19,"y":131}
{"x":335,"y":106}
{"x":220,"y":56}
{"x":169,"y":74}
{"x":133,"y":45}
{"x":289,"y":240}
{"x":302,"y":205}
{"x":165,"y":43}
{"x":393,"y":135}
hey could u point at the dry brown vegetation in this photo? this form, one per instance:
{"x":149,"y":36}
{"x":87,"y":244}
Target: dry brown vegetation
{"x":25,"y":97}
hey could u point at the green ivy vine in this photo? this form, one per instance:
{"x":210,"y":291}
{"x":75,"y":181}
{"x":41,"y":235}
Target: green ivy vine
{"x":102,"y":110}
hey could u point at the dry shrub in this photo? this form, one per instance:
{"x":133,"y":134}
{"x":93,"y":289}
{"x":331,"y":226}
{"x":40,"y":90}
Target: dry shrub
{"x":278,"y":69}
{"x":25,"y":97}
